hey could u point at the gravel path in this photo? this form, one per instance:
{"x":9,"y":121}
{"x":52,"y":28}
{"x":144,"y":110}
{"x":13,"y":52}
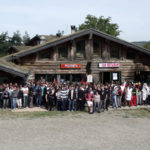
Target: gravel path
{"x":105,"y":131}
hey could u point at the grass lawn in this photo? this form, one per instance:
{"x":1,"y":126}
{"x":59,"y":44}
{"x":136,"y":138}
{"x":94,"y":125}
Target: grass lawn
{"x":8,"y":114}
{"x":129,"y":113}
{"x":135,"y":113}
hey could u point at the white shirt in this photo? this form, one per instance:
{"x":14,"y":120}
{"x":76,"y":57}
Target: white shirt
{"x":25,"y":91}
{"x":72,"y":94}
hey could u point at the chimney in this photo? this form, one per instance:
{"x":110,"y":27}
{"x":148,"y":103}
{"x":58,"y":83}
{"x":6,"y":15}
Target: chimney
{"x":58,"y":34}
{"x":73,"y":29}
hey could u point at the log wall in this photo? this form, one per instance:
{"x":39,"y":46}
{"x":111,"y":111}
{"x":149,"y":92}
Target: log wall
{"x":52,"y":66}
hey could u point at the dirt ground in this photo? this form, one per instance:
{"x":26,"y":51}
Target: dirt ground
{"x":112,"y":130}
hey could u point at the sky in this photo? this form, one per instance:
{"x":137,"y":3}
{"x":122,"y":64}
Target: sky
{"x":46,"y":17}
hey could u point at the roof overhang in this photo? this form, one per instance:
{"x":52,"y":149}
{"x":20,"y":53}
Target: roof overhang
{"x":77,"y":35}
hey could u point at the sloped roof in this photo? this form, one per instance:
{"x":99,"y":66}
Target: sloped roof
{"x":22,"y":71}
{"x":72,"y":36}
{"x":19,"y":48}
{"x":46,"y":38}
{"x":12,"y":68}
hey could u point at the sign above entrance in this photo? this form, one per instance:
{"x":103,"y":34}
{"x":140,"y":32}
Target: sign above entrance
{"x":109,"y":65}
{"x":71,"y":66}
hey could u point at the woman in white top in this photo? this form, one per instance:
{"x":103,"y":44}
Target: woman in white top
{"x":128,"y":95}
{"x":145,"y":92}
{"x":97,"y":100}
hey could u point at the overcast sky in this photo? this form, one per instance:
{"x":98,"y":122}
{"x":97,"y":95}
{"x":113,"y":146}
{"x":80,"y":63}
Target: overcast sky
{"x":49,"y":16}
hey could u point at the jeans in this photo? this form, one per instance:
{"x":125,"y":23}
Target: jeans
{"x":139,"y":98}
{"x":14,"y":100}
{"x":64,"y":101}
{"x":71,"y":104}
{"x":115,"y":101}
{"x":58,"y":104}
{"x":38,"y":100}
{"x":119,"y":98}
{"x":5,"y":103}
{"x":98,"y":105}
{"x":25,"y":101}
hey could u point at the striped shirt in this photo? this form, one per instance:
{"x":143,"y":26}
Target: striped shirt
{"x":64,"y":94}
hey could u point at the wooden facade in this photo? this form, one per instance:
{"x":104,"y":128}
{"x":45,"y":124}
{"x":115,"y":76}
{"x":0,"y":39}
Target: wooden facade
{"x":128,"y":67}
{"x":97,"y":49}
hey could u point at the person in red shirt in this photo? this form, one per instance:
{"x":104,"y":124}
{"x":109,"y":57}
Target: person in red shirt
{"x":89,"y":98}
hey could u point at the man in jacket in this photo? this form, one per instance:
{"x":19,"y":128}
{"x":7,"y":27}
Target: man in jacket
{"x":71,"y":98}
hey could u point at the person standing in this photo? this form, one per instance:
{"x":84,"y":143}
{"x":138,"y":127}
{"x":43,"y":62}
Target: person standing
{"x":119,"y":97}
{"x":80,"y":103}
{"x":58,"y":100}
{"x":51,"y":98}
{"x":31,"y":95}
{"x":145,"y":91}
{"x":14,"y":97}
{"x":114,"y":96}
{"x":64,"y":96}
{"x":1,"y":91}
{"x":71,"y":99}
{"x":134,"y":96}
{"x":20,"y":97}
{"x":10,"y":93}
{"x":103,"y":94}
{"x":5,"y":98}
{"x":139,"y":95}
{"x":89,"y":98}
{"x":38,"y":97}
{"x":25,"y":91}
{"x":97,"y":101}
{"x":128,"y":95}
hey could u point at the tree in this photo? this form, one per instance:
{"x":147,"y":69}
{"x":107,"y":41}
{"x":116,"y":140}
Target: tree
{"x":147,"y":45}
{"x":16,"y":38}
{"x":101,"y":24}
{"x":4,"y":43}
{"x":26,"y":38}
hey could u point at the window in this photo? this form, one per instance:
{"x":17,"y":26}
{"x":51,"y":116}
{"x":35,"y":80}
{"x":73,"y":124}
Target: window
{"x":45,"y":55}
{"x":130,"y":55}
{"x":96,"y":48}
{"x":63,"y":52}
{"x":114,"y":52}
{"x":80,"y":46}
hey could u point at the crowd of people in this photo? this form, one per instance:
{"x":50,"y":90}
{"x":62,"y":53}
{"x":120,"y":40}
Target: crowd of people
{"x":97,"y":97}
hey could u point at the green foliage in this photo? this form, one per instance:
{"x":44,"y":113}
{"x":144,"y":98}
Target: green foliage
{"x":101,"y":24}
{"x":4,"y":43}
{"x":26,"y":38}
{"x":147,"y":45}
{"x":16,"y":40}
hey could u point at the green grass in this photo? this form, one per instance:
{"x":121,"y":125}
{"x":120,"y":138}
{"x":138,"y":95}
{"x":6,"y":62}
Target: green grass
{"x":136,"y":113}
{"x":130,"y":113}
{"x":8,"y":114}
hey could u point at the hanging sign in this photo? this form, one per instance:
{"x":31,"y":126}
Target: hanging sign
{"x":109,"y":65}
{"x":115,"y":76}
{"x":90,"y":78}
{"x":71,"y":66}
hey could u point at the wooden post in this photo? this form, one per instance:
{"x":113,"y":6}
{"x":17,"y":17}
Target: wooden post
{"x":105,"y":54}
{"x":73,"y":50}
{"x":55,"y":53}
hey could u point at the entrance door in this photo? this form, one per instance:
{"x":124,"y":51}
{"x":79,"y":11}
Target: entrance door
{"x":64,"y":77}
{"x":106,"y":77}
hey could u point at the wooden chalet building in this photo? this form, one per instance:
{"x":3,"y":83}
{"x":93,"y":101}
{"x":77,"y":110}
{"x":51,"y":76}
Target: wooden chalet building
{"x":71,"y":57}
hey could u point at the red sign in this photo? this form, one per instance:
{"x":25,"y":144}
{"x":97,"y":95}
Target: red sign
{"x":71,"y":66}
{"x":109,"y":65}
